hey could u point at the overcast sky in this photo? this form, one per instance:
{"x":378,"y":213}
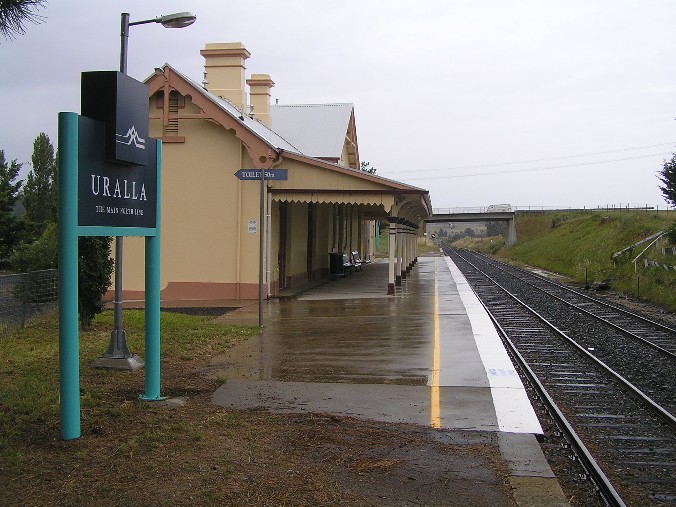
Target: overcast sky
{"x":534,"y":103}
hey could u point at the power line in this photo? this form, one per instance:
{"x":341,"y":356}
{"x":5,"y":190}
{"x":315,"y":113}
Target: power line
{"x":533,"y":169}
{"x":496,"y":164}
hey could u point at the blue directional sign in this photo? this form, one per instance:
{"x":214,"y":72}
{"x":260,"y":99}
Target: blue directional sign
{"x":255,"y":174}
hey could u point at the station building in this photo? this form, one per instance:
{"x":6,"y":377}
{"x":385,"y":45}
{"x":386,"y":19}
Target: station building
{"x":211,"y":219}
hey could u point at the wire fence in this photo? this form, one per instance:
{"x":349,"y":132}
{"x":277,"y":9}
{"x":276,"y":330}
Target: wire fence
{"x":601,"y":207}
{"x":24,"y":295}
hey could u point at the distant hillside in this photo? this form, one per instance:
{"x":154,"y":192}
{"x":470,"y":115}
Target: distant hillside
{"x":581,"y":244}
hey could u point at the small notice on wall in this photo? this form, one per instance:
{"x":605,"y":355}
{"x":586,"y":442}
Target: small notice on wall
{"x":252,"y":227}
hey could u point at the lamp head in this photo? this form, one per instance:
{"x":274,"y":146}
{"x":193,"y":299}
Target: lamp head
{"x":177,"y":20}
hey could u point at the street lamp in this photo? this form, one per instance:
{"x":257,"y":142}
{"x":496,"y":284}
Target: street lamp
{"x":118,"y":355}
{"x":177,"y":20}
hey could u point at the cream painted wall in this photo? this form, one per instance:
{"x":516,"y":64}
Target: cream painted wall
{"x":200,"y":195}
{"x":206,"y":211}
{"x":250,"y":211}
{"x":297,"y":239}
{"x":304,"y":176}
{"x":325,"y":226}
{"x":323,"y":234}
{"x":274,"y":247}
{"x":344,"y":157}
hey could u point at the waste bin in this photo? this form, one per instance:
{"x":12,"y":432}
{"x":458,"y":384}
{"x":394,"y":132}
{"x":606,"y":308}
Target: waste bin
{"x":336,"y":267}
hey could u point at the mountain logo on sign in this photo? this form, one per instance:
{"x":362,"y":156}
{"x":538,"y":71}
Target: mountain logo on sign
{"x":131,"y":137}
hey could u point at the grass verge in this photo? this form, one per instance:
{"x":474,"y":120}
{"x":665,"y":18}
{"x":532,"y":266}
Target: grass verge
{"x":29,"y":376}
{"x":580,"y":245}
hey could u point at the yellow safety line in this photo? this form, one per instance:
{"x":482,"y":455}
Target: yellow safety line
{"x":435,"y":411}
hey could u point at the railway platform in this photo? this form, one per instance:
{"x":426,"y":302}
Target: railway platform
{"x":429,"y":356}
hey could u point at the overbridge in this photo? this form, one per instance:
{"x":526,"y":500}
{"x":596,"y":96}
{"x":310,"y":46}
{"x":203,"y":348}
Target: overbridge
{"x":493,"y":213}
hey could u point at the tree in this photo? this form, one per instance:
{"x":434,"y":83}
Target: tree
{"x":668,"y":178}
{"x":95,"y":267}
{"x":366,"y":167}
{"x":41,"y":254}
{"x":496,"y":228}
{"x":9,"y":195}
{"x":40,"y":190}
{"x":14,"y":14}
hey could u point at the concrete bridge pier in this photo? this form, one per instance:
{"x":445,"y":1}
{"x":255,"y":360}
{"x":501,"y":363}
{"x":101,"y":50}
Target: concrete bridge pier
{"x":511,"y":233}
{"x":495,"y":213}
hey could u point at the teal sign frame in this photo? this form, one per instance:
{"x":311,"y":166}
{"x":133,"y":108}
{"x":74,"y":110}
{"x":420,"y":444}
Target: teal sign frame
{"x":68,"y":232}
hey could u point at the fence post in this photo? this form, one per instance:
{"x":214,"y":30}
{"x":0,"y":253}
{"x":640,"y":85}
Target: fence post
{"x":25,"y":286}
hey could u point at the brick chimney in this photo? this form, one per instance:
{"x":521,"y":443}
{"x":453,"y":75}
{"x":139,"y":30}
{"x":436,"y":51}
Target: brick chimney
{"x":224,"y":71}
{"x":259,"y":97}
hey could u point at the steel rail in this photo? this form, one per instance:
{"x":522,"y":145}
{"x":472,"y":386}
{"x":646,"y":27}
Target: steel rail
{"x":598,"y":317}
{"x":603,"y":484}
{"x":629,"y":313}
{"x":663,"y":414}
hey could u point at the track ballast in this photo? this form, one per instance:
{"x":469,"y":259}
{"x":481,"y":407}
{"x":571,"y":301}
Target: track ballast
{"x":609,"y":372}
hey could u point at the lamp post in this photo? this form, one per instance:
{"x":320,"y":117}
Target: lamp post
{"x":177,"y":20}
{"x":118,"y":355}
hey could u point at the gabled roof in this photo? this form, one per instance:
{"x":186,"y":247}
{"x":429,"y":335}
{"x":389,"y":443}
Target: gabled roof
{"x":266,"y":146}
{"x":318,"y":130}
{"x":269,"y":136}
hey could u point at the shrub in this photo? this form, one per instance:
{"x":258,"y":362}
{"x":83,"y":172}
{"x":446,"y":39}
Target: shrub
{"x":42,"y":253}
{"x":95,"y":267}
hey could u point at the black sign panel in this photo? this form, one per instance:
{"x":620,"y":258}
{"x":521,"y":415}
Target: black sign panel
{"x":109,"y":194}
{"x":121,"y":102}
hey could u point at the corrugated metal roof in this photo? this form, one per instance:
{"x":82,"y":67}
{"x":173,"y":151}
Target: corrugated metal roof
{"x":317,"y":130}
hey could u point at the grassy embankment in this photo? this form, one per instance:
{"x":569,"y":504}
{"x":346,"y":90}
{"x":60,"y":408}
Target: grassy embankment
{"x":580,"y":245}
{"x":425,"y":245}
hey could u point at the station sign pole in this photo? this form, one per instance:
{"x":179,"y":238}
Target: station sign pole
{"x":261,"y":175}
{"x":109,"y":185}
{"x":261,"y":251}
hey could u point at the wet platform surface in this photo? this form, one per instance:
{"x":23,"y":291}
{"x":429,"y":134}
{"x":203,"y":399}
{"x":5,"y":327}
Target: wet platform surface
{"x":428,"y":355}
{"x":424,"y":356}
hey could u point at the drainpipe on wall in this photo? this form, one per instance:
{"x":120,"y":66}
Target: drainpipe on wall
{"x":269,"y":246}
{"x":238,"y":261}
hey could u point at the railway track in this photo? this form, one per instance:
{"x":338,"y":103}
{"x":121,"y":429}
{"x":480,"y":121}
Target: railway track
{"x":657,"y":335}
{"x":608,"y":375}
